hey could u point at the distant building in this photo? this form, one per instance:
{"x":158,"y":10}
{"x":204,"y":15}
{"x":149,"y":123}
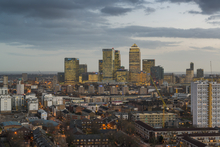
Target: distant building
{"x":114,"y":90}
{"x":42,"y":114}
{"x":142,"y":90}
{"x":157,"y":74}
{"x":117,"y":62}
{"x":91,"y":89}
{"x":147,"y":64}
{"x":71,"y":70}
{"x":57,"y":88}
{"x":69,"y":89}
{"x":134,"y":62}
{"x":20,"y":88}
{"x":169,"y":78}
{"x":32,"y":105}
{"x":190,"y":73}
{"x":54,"y":81}
{"x":90,"y":77}
{"x":100,"y":70}
{"x":142,"y":78}
{"x":192,"y":66}
{"x":18,"y":103}
{"x":81,"y":89}
{"x":200,"y":73}
{"x":125,"y":90}
{"x":122,"y":75}
{"x":5,"y":104}
{"x":101,"y":89}
{"x":82,"y":69}
{"x":24,"y":77}
{"x":3,"y":91}
{"x":5,"y":81}
{"x":60,"y":77}
{"x":108,"y":57}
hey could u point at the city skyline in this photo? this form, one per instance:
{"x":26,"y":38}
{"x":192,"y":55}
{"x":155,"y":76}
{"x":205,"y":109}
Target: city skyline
{"x":171,"y":32}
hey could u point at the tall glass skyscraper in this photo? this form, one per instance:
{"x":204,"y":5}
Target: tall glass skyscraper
{"x":147,"y":64}
{"x":82,"y":69}
{"x":134,"y":62}
{"x":108,"y":57}
{"x":71,"y":70}
{"x":117,"y":62}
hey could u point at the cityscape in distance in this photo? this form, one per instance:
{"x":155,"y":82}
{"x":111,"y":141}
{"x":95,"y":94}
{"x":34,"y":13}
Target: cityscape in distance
{"x":98,"y":73}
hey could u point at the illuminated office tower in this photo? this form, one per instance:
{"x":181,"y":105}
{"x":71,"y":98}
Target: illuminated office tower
{"x":117,"y":62}
{"x":5,"y":81}
{"x":122,"y":75}
{"x":134,"y":62}
{"x":108,"y":57}
{"x":142,"y":78}
{"x":147,"y":64}
{"x":100,"y":70}
{"x":71,"y":70}
{"x":200,"y":73}
{"x":90,"y":77}
{"x":82,"y":69}
{"x":24,"y":77}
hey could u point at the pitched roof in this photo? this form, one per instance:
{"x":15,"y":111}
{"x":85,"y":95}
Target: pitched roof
{"x":193,"y":141}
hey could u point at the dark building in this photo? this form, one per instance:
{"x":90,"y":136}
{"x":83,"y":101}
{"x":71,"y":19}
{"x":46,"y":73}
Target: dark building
{"x":157,"y":73}
{"x":100,"y":69}
{"x":60,"y":77}
{"x":200,"y":73}
{"x":82,"y":69}
{"x":192,"y":66}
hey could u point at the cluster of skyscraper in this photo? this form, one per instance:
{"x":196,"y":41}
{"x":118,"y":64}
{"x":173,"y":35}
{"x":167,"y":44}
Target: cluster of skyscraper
{"x":110,"y":69}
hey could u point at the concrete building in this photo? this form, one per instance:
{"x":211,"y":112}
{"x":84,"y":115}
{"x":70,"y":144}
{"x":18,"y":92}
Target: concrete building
{"x":69,"y":89}
{"x":205,"y":103}
{"x":3,"y":90}
{"x":24,"y":77}
{"x":42,"y":114}
{"x":71,"y":71}
{"x":125,"y":90}
{"x":100,"y":70}
{"x":189,"y":75}
{"x":108,"y":57}
{"x":5,"y":103}
{"x":200,"y":73}
{"x":153,"y":118}
{"x":81,"y":89}
{"x":57,"y":88}
{"x":142,"y":90}
{"x":122,"y":75}
{"x":169,"y":78}
{"x":114,"y":90}
{"x":101,"y":89}
{"x":157,"y":74}
{"x":18,"y":103}
{"x":91,"y":89}
{"x":32,"y":105}
{"x":134,"y":62}
{"x":20,"y":88}
{"x":82,"y":69}
{"x":60,"y":76}
{"x":117,"y":62}
{"x":5,"y":81}
{"x":55,"y":81}
{"x":142,"y":78}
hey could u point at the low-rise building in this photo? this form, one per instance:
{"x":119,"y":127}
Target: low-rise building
{"x":42,"y":114}
{"x":5,"y":104}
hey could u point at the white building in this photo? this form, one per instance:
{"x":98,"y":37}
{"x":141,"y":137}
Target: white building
{"x":49,"y":99}
{"x":42,"y":114}
{"x":205,"y":103}
{"x":18,"y":102}
{"x":20,"y":88}
{"x":32,"y":105}
{"x":3,"y":90}
{"x":5,"y":103}
{"x":122,"y":115}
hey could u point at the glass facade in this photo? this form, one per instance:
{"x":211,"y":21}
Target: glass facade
{"x":71,"y":70}
{"x":108,"y":57}
{"x":122,"y":75}
{"x":117,"y":62}
{"x":82,"y":68}
{"x":134,"y":62}
{"x":100,"y":69}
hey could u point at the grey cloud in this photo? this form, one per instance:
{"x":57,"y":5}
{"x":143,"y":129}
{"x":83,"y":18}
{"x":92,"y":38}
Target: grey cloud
{"x":213,"y":17}
{"x":115,"y":10}
{"x":214,"y":22}
{"x":207,"y":6}
{"x":205,"y":48}
{"x":149,"y":10}
{"x":194,"y":12}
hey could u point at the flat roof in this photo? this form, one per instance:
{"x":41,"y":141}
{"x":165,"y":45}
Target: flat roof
{"x":193,"y":141}
{"x":10,"y":123}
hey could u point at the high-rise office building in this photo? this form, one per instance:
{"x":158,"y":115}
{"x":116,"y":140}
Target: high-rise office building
{"x":205,"y":107}
{"x":192,"y":66}
{"x":71,"y":70}
{"x":54,"y":81}
{"x":122,"y":75}
{"x":157,"y":74}
{"x":60,"y":77}
{"x":108,"y":57}
{"x":20,"y":88}
{"x":200,"y":73}
{"x":24,"y":77}
{"x":117,"y":62}
{"x":142,"y":78}
{"x":5,"y":81}
{"x":82,"y":69}
{"x":134,"y":62}
{"x":147,"y":64}
{"x":90,"y":77}
{"x":100,"y":70}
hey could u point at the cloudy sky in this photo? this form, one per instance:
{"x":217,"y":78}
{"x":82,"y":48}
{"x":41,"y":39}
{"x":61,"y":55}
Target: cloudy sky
{"x":38,"y":34}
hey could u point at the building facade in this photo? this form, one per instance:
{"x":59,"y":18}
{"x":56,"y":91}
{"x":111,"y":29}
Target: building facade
{"x":90,"y":77}
{"x":5,"y":81}
{"x":108,"y":57}
{"x":122,"y":75}
{"x":20,"y":88}
{"x":82,"y":69}
{"x":71,"y":70}
{"x":100,"y":70}
{"x":117,"y":62}
{"x":5,"y":103}
{"x":200,"y":73}
{"x":134,"y":62}
{"x":24,"y":77}
{"x":60,"y":76}
{"x":157,"y":74}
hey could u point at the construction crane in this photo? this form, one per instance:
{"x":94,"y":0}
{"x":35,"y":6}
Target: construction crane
{"x":164,"y":104}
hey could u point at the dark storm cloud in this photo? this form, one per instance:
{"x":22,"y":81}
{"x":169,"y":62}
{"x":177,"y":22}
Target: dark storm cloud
{"x":115,"y":10}
{"x":207,"y":6}
{"x":149,"y":10}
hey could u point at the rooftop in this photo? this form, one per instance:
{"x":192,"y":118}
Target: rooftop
{"x":10,"y":123}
